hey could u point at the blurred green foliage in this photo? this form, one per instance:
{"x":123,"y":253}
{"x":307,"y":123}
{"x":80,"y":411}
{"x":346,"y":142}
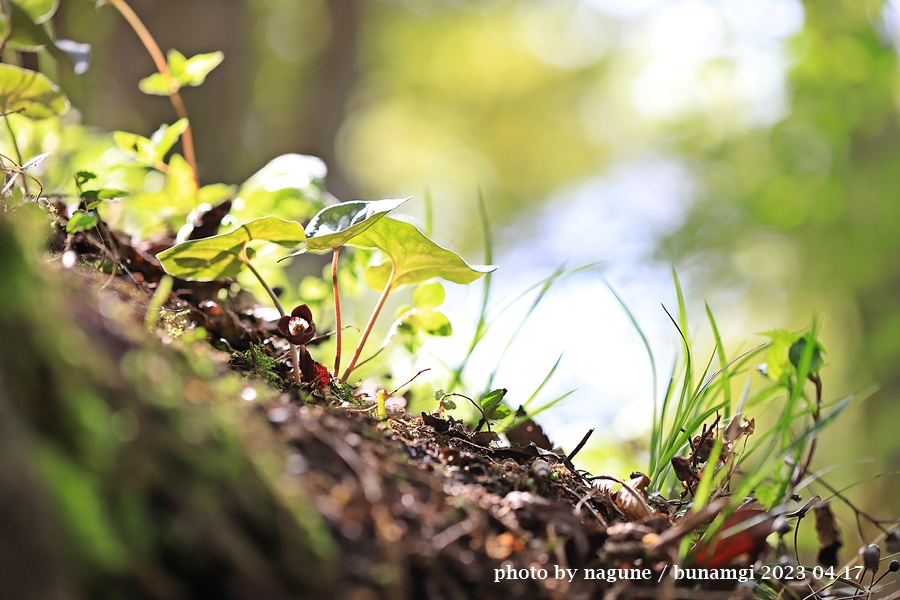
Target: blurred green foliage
{"x":819,"y":192}
{"x":525,"y":98}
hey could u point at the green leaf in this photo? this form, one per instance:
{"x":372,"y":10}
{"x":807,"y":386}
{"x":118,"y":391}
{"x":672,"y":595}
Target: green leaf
{"x":415,"y":258}
{"x":82,"y":220}
{"x":110,"y":193}
{"x":136,"y":146}
{"x":428,"y":296}
{"x":175,"y":60}
{"x":313,"y":289}
{"x":287,"y":186}
{"x":215,"y":193}
{"x":778,"y":364}
{"x":218,"y":257}
{"x":335,"y":225}
{"x":82,"y":177}
{"x":492,"y":400}
{"x":796,"y":352}
{"x":158,"y":84}
{"x":28,"y":36}
{"x":500,"y":413}
{"x":182,"y":71}
{"x":180,"y":183}
{"x":25,"y":34}
{"x":433,"y":323}
{"x":195,"y":70}
{"x":38,"y":11}
{"x":29,"y":93}
{"x":165,"y":137}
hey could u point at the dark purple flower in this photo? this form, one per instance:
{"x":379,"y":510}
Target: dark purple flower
{"x":298,"y":327}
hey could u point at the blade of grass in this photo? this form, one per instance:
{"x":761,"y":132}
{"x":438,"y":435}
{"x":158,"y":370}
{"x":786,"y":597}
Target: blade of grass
{"x":654,"y":437}
{"x":542,"y":408}
{"x":507,"y":422}
{"x":548,"y":283}
{"x":481,"y":326}
{"x":723,"y":361}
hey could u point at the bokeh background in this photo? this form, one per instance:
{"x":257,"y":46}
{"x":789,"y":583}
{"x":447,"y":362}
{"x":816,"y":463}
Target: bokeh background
{"x":751,"y":144}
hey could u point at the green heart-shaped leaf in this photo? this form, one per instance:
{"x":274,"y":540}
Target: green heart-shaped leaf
{"x":415,"y":257}
{"x":196,"y":68}
{"x":335,"y":225}
{"x":165,"y":137}
{"x":433,"y":322}
{"x":218,"y":257}
{"x":428,"y":296}
{"x":289,"y":186}
{"x":180,"y":183}
{"x":492,"y":400}
{"x":182,"y":71}
{"x":158,"y":84}
{"x":38,"y":10}
{"x":29,"y":93}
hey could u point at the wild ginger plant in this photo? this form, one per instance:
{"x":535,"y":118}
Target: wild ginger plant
{"x":411,"y":258}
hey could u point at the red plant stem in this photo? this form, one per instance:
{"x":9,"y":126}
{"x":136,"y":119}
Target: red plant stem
{"x":337,"y":312}
{"x":187,"y":138}
{"x":370,"y":325}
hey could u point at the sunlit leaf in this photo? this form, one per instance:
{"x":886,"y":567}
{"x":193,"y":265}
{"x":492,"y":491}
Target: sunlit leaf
{"x":335,"y":225}
{"x":82,"y":220}
{"x":110,"y":193}
{"x":492,"y":400}
{"x":433,"y":322}
{"x":218,"y":257}
{"x":37,"y":10}
{"x":82,"y":177}
{"x":165,"y":137}
{"x":796,"y":352}
{"x":215,"y":193}
{"x":197,"y":67}
{"x":136,"y":146}
{"x":180,"y":182}
{"x":182,"y":71}
{"x":158,"y":84}
{"x":175,"y":60}
{"x":313,"y":289}
{"x":287,"y":186}
{"x":29,"y":93}
{"x":415,"y":257}
{"x":428,"y":296}
{"x":778,"y":364}
{"x":24,"y":33}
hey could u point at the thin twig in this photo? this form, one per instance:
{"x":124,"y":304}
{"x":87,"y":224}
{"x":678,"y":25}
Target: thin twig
{"x":187,"y":138}
{"x":411,"y":379}
{"x":580,"y":445}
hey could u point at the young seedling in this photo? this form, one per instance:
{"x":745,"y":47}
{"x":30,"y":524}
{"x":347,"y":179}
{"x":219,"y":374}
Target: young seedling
{"x":224,"y":256}
{"x":331,"y":229}
{"x":174,"y":72}
{"x":412,"y":258}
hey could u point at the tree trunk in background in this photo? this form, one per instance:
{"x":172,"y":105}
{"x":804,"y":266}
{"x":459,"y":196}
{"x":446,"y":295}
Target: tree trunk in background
{"x":108,"y":93}
{"x":333,"y":81}
{"x":219,"y":109}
